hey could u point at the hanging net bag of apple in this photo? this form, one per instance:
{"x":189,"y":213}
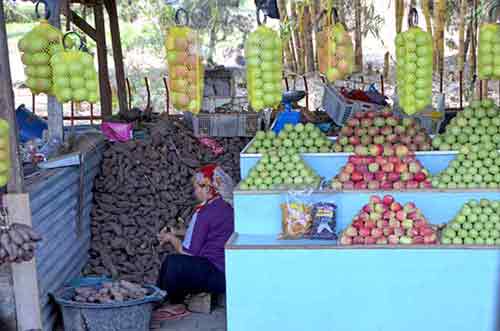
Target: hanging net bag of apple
{"x":185,"y":67}
{"x":264,"y":61}
{"x":335,"y":51}
{"x":75,"y":77}
{"x":414,"y":67}
{"x":37,"y":47}
{"x":489,"y":47}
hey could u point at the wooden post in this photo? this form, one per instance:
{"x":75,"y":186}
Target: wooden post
{"x":105,"y":88}
{"x":24,"y":275}
{"x":117,"y":53}
{"x":7,"y":110}
{"x":55,"y":109}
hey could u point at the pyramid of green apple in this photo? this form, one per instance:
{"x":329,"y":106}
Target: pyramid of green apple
{"x":477,"y":223}
{"x":297,"y":138}
{"x":280,"y":170}
{"x":476,"y":166}
{"x":477,"y":124}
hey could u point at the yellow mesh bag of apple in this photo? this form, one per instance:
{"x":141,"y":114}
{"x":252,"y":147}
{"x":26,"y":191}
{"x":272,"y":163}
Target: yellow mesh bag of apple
{"x":74,"y":74}
{"x":489,"y":48}
{"x":264,"y":60}
{"x":37,"y":47}
{"x":335,"y":51}
{"x":414,"y":67}
{"x":185,"y":66}
{"x":4,"y":153}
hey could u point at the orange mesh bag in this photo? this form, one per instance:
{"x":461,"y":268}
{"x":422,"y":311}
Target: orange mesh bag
{"x":185,"y":66}
{"x":335,"y":51}
{"x":37,"y":47}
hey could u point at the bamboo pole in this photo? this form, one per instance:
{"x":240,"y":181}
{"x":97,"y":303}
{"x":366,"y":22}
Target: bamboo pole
{"x":427,"y":15}
{"x":307,"y":40}
{"x":287,"y":50}
{"x":461,"y":35}
{"x":358,"y":51}
{"x":439,"y":20}
{"x":399,"y":13}
{"x":296,"y":38}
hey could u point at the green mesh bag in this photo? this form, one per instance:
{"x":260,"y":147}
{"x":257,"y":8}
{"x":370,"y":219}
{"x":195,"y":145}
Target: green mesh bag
{"x":185,"y":66}
{"x":37,"y":47}
{"x":74,"y":75}
{"x":489,"y":48}
{"x":264,"y":59}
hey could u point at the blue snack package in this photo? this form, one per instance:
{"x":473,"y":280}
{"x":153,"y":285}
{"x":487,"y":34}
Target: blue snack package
{"x":324,"y":221}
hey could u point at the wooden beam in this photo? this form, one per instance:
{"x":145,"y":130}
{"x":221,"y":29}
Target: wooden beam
{"x":54,"y":108}
{"x":7,"y":110}
{"x":83,"y":25}
{"x":117,"y":54}
{"x":24,"y":275}
{"x":105,"y":88}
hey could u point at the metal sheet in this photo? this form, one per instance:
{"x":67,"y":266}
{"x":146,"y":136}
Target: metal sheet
{"x":62,"y":254}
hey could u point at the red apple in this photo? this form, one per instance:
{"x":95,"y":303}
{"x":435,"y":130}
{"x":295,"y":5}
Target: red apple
{"x":356,"y":176}
{"x":353,"y":140}
{"x":394,"y":223}
{"x":373,"y":131}
{"x":399,"y":185}
{"x":418,"y":240}
{"x":346,"y":241}
{"x":364,"y":232}
{"x":426,"y":232}
{"x":380,"y":160}
{"x":371,"y":114}
{"x":387,"y":200}
{"x":393,"y":176}
{"x":382,"y":224}
{"x":370,"y":224}
{"x":382,"y":241}
{"x":420,"y":177}
{"x":388,"y":215}
{"x":401,"y":215}
{"x":370,"y":240}
{"x":380,"y":176}
{"x":360,"y":186}
{"x":347,"y":131}
{"x":368,"y":176}
{"x":359,"y":223}
{"x":392,"y":138}
{"x":358,"y":240}
{"x":393,"y":239}
{"x":375,"y":199}
{"x":353,"y":122}
{"x":376,"y":149}
{"x":412,"y":232}
{"x":377,"y":233}
{"x":401,"y":167}
{"x":396,"y":206}
{"x":385,"y":185}
{"x":399,"y":232}
{"x":409,"y":207}
{"x":373,"y":185}
{"x":402,"y":150}
{"x":430,"y":239}
{"x":348,"y":186}
{"x":388,"y":231}
{"x":359,"y":115}
{"x":351,"y":231}
{"x":349,"y":168}
{"x":365,"y":216}
{"x":360,"y":132}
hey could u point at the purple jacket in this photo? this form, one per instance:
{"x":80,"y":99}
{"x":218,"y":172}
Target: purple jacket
{"x":209,"y":230}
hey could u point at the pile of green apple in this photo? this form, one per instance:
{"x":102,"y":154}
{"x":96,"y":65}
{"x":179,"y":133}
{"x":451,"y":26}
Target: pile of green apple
{"x":263,"y":53}
{"x":489,"y":50}
{"x":297,"y":138}
{"x":414,"y":69}
{"x":477,"y":223}
{"x":280,"y":170}
{"x":476,"y":166}
{"x":477,"y":124}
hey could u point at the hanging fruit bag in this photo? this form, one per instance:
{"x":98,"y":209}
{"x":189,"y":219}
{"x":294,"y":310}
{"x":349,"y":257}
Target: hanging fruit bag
{"x":489,"y":48}
{"x":335,"y":51}
{"x":75,"y":77}
{"x":185,"y":67}
{"x":37,"y":47}
{"x":4,"y":152}
{"x":414,"y":67}
{"x":264,"y":61}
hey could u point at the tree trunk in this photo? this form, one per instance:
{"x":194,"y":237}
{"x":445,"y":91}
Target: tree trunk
{"x":287,"y":50}
{"x":439,"y":20}
{"x":296,"y":38}
{"x":427,"y":15}
{"x":467,"y":42}
{"x":461,"y":35}
{"x":315,"y":11}
{"x":358,"y":52}
{"x":399,"y":14}
{"x":307,"y":39}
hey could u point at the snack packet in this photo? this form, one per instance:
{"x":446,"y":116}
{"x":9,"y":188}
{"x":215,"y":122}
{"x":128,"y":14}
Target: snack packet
{"x":324,"y":221}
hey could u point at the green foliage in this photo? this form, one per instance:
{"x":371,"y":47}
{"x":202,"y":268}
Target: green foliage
{"x":17,"y":12}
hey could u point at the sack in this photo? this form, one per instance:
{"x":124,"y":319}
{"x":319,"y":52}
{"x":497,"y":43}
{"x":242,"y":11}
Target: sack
{"x":335,"y":51}
{"x":185,"y":68}
{"x":263,"y":55}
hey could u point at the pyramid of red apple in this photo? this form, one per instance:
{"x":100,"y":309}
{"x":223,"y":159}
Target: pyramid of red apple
{"x":382,"y":167}
{"x":384,"y":221}
{"x":384,"y":128}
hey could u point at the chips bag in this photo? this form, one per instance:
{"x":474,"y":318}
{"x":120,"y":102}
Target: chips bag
{"x":335,"y":51}
{"x":414,"y":67}
{"x":37,"y":47}
{"x":264,"y":60}
{"x":324,"y":221}
{"x":4,"y":153}
{"x":185,"y":67}
{"x":296,"y":215}
{"x":74,"y":75}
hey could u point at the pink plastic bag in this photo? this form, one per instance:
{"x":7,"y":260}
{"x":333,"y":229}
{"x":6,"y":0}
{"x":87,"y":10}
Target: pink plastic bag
{"x":216,"y":148}
{"x":120,"y":132}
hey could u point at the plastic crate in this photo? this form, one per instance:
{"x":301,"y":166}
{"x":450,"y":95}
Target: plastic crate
{"x":340,"y":109}
{"x":431,"y":125}
{"x":224,"y":124}
{"x":133,"y":315}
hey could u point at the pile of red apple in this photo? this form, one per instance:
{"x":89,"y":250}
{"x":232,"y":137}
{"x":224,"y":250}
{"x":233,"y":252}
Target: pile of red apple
{"x":382,"y":128}
{"x":382,"y":167}
{"x":384,"y":221}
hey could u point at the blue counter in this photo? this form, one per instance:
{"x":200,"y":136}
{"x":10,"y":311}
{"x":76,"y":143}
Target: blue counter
{"x":302,"y":285}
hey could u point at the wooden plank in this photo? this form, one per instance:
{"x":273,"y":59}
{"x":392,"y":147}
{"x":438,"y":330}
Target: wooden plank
{"x":83,"y":25}
{"x":24,"y":274}
{"x":117,"y":54}
{"x":105,"y":88}
{"x":7,"y":109}
{"x":54,"y":108}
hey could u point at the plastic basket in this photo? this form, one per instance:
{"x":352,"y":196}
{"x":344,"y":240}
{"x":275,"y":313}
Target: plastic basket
{"x":224,"y":125}
{"x":340,"y":109}
{"x":133,"y":315}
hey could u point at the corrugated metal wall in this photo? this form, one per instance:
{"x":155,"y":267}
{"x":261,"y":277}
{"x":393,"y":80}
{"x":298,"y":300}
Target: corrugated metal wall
{"x":54,"y":200}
